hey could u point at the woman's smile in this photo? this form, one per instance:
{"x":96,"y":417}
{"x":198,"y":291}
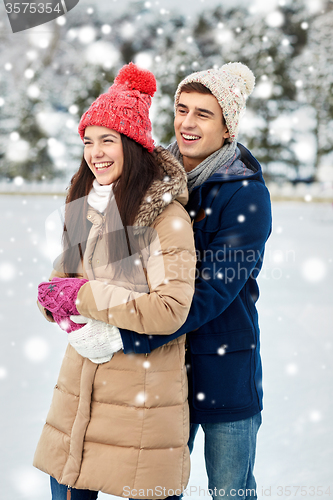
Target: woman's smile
{"x":103,"y":152}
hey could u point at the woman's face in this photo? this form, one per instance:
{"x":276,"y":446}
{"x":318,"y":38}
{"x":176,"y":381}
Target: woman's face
{"x":103,"y":152}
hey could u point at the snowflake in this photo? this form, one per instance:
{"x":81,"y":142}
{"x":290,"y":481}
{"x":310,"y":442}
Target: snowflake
{"x":315,"y":416}
{"x":278,"y":256}
{"x":177,"y":224}
{"x":14,"y":136}
{"x":86,"y":35}
{"x":263,"y":90}
{"x":140,"y":398}
{"x":61,"y":21}
{"x":29,"y":73}
{"x":33,"y":91}
{"x":143,"y":60}
{"x":32,"y":55}
{"x":291,"y":369}
{"x":167,"y":197}
{"x":36,"y":349}
{"x":64,"y":324}
{"x":106,"y":29}
{"x":26,"y":481}
{"x":73,"y":109}
{"x":275,"y":19}
{"x":7,"y":271}
{"x":313,"y":270}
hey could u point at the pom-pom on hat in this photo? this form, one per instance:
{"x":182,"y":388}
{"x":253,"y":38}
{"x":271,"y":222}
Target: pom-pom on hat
{"x":125,"y":106}
{"x":231,"y":85}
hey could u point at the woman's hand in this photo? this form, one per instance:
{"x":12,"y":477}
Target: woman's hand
{"x":95,"y":340}
{"x":59,"y":295}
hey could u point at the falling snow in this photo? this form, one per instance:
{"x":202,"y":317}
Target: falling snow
{"x":294,"y":445}
{"x":295,"y":320}
{"x":36,"y":349}
{"x":7,"y":271}
{"x":288,"y":66}
{"x":314,"y":270}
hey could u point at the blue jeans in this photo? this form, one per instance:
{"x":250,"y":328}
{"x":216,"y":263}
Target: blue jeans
{"x":230,"y":449}
{"x":59,"y":492}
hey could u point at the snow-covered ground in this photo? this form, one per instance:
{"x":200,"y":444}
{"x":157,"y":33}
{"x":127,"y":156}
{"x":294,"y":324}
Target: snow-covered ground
{"x":295,"y":445}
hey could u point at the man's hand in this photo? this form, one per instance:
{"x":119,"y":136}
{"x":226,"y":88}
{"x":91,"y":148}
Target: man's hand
{"x":97,"y":340}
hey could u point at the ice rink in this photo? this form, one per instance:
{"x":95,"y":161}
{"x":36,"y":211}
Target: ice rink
{"x":295,"y":444}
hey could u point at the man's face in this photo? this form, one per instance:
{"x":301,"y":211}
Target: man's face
{"x":199,"y":127}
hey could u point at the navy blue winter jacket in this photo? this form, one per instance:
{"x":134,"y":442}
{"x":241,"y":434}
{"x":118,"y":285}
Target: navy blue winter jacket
{"x":225,"y":376}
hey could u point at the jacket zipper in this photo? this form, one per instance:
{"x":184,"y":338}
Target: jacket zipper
{"x":69,"y":493}
{"x":100,"y":233}
{"x":99,"y":237}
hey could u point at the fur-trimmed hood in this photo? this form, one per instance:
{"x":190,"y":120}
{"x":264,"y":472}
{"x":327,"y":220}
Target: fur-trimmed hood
{"x":160,"y":194}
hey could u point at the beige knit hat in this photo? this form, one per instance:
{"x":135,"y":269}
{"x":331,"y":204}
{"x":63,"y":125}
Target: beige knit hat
{"x":231,"y":85}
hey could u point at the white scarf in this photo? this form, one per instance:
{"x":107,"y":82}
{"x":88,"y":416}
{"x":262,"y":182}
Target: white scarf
{"x":99,"y":196}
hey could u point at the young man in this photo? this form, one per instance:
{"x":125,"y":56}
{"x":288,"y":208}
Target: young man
{"x":230,"y":208}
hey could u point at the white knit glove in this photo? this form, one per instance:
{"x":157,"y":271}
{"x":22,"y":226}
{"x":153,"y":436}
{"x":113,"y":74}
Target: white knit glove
{"x":96,"y":340}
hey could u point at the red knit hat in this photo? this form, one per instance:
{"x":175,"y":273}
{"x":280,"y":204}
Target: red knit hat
{"x":125,"y":107}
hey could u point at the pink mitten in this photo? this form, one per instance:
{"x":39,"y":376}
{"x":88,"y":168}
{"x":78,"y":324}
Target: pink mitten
{"x":59,"y":296}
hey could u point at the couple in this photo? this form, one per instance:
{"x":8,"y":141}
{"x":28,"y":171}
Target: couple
{"x":133,"y":280}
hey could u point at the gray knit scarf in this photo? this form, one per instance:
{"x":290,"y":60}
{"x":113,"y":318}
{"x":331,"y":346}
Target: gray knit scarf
{"x":209,"y":166}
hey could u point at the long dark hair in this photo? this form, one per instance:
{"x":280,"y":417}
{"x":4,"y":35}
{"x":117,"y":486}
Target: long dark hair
{"x":140,"y":169}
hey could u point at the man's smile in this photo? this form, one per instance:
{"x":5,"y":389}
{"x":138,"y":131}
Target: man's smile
{"x":190,"y":137}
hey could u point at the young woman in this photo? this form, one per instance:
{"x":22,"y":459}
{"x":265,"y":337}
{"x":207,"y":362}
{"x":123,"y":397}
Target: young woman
{"x":119,"y":423}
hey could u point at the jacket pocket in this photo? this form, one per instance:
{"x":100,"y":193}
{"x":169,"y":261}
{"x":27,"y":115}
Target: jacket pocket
{"x":223,"y":370}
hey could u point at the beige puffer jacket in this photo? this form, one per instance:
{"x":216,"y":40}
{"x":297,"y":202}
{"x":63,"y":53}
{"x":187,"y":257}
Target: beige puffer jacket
{"x":122,"y":427}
